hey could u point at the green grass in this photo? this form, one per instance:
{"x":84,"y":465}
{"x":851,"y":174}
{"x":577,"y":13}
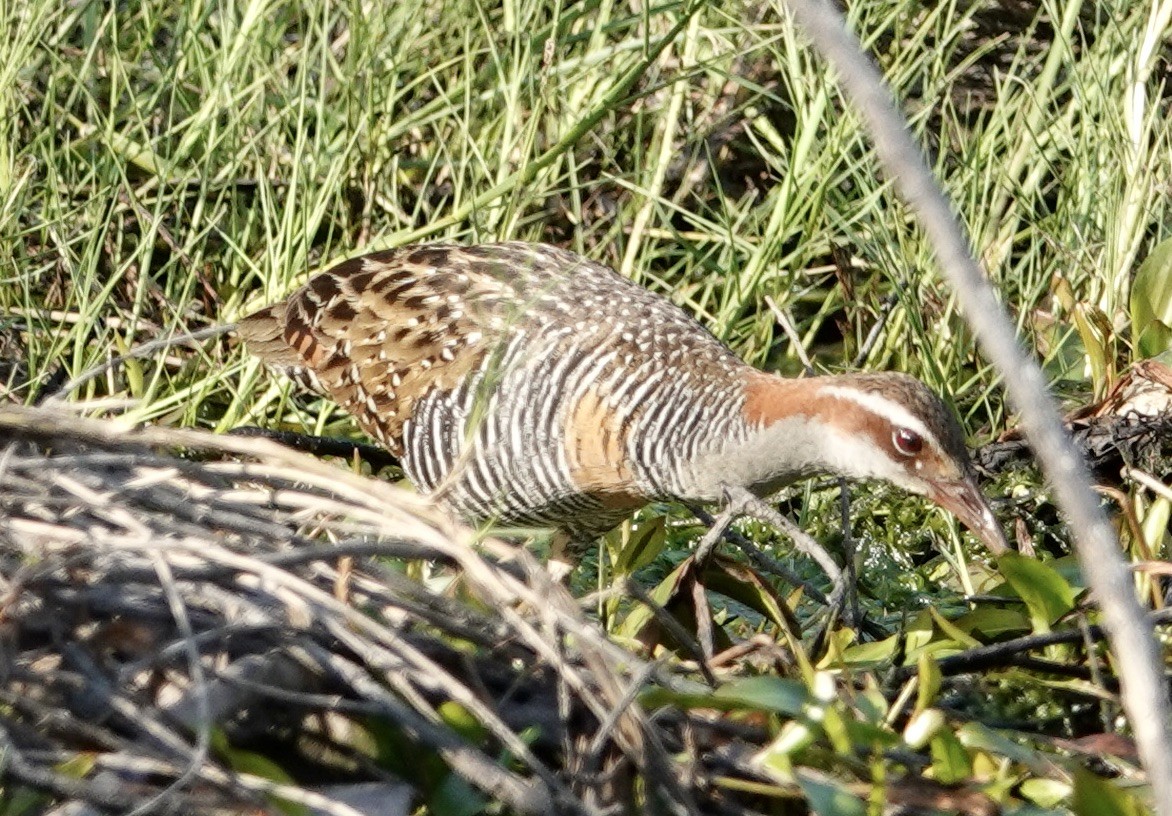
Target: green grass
{"x":179,"y":165}
{"x":167,"y":166}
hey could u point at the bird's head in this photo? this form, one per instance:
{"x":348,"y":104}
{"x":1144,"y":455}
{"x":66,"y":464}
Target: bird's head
{"x":873,"y":426}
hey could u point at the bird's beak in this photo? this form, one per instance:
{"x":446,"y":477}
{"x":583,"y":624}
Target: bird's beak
{"x":965,"y":500}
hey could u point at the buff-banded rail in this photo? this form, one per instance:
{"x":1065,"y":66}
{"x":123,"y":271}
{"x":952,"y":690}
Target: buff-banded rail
{"x":527,"y":384}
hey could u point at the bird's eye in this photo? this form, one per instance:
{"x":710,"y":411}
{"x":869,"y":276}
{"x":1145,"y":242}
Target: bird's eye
{"x":907,"y":441}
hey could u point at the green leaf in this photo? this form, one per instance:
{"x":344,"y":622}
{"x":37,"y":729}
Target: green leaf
{"x":640,"y":548}
{"x":79,"y":766}
{"x":838,"y":731}
{"x":250,"y":762}
{"x":993,"y":622}
{"x":929,"y":682}
{"x":950,"y":760}
{"x":868,"y":737}
{"x":663,"y":592}
{"x":1046,"y":593}
{"x":1151,"y":302}
{"x":457,"y":717}
{"x":1098,"y":797}
{"x":654,"y":698}
{"x":962,"y":638}
{"x":828,"y":798}
{"x":1155,"y":524}
{"x":455,"y":797}
{"x":837,"y":642}
{"x":743,"y":584}
{"x":772,"y":694}
{"x":1097,"y":334}
{"x":767,"y":693}
{"x":1085,"y":688}
{"x":873,"y":655}
{"x":920,"y":631}
{"x":929,"y":633}
{"x":20,"y":800}
{"x":1071,"y":571}
{"x":870,"y":701}
{"x":977,"y":736}
{"x":1047,"y":793}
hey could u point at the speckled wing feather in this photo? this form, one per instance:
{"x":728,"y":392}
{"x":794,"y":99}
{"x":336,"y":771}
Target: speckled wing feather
{"x":375,"y":333}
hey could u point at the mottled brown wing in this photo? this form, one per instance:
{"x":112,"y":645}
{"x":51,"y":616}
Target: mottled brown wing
{"x":378,"y":332}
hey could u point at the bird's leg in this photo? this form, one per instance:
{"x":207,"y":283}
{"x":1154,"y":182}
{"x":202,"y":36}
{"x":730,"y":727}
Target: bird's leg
{"x":718,"y":526}
{"x":734,"y":508}
{"x":851,"y":604}
{"x":761,"y":561}
{"x":741,"y":502}
{"x":704,"y":551}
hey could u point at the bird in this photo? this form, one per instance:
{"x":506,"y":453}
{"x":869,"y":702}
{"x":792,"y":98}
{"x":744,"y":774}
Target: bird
{"x":529,"y":385}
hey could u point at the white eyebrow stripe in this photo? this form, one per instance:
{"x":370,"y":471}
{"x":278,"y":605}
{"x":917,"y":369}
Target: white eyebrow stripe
{"x":881,"y":406}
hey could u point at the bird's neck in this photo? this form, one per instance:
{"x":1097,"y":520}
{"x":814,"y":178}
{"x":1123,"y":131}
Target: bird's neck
{"x":770,"y":398}
{"x":788,"y":430}
{"x":794,"y":429}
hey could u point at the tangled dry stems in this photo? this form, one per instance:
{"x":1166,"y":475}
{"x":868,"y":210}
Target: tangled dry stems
{"x":169,"y":598}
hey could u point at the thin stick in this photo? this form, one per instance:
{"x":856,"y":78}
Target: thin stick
{"x":1150,"y":482}
{"x":787,"y":326}
{"x":873,"y":335}
{"x":145,"y":350}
